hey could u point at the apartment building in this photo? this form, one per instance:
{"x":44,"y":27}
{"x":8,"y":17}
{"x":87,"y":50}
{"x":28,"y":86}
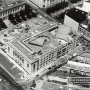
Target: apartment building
{"x":11,"y":9}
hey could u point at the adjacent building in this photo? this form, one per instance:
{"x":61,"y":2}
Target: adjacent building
{"x":11,"y":8}
{"x":80,"y":25}
{"x":46,"y":3}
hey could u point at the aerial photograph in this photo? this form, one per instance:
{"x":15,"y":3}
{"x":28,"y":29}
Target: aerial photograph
{"x":44,"y":44}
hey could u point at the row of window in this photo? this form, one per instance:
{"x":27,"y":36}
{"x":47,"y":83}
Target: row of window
{"x":11,"y":10}
{"x":18,"y":62}
{"x":62,"y":53}
{"x":47,"y":57}
{"x":42,"y":62}
{"x":82,"y":30}
{"x":34,"y":67}
{"x":18,"y":56}
{"x":19,"y":59}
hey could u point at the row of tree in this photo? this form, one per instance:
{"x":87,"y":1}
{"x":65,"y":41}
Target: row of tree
{"x":56,"y":7}
{"x":23,"y":15}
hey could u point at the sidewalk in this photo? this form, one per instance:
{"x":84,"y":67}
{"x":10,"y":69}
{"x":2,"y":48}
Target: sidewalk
{"x":11,"y":61}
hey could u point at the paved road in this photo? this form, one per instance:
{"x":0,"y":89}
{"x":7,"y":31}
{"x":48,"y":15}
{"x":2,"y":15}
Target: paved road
{"x":4,"y":73}
{"x":9,"y":66}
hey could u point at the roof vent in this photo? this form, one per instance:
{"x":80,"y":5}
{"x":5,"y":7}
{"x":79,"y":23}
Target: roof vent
{"x":40,"y":52}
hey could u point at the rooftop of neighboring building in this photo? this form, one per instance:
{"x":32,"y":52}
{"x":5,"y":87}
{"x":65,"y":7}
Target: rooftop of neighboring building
{"x":52,"y":86}
{"x":8,"y":4}
{"x":77,"y":15}
{"x":64,"y":33}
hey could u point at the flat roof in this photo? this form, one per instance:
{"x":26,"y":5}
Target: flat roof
{"x":27,"y":45}
{"x":32,"y":50}
{"x":77,"y":14}
{"x":22,"y":49}
{"x":63,"y":33}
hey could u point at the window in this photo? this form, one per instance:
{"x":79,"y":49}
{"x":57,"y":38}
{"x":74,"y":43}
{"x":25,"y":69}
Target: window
{"x":23,"y":60}
{"x":18,"y":56}
{"x":11,"y":10}
{"x":13,"y":53}
{"x":6,"y":12}
{"x":8,"y":49}
{"x":3,"y":13}
{"x":28,"y":65}
{"x":34,"y":67}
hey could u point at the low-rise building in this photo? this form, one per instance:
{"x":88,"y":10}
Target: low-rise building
{"x":37,"y":51}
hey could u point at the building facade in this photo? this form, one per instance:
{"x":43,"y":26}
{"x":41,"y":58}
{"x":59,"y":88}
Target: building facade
{"x":83,"y":31}
{"x":11,"y":9}
{"x":47,"y":3}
